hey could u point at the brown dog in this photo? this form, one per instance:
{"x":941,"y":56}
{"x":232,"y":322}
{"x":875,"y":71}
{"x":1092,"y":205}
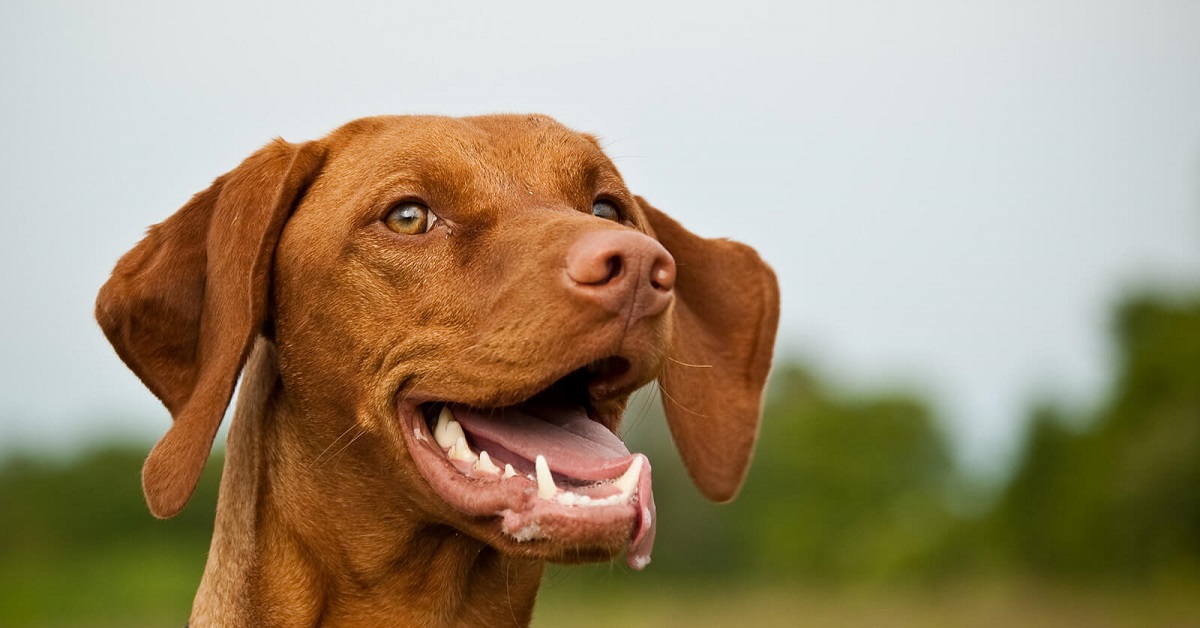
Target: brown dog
{"x":407,"y":294}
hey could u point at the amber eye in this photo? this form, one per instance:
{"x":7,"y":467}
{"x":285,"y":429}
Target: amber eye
{"x":409,"y":218}
{"x":606,"y":210}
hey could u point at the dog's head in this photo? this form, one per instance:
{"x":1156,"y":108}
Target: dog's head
{"x":450,"y":287}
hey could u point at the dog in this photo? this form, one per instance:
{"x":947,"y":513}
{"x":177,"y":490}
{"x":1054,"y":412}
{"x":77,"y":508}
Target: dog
{"x":437,"y":324}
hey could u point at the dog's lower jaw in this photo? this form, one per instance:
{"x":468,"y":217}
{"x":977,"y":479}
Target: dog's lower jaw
{"x":357,"y":565}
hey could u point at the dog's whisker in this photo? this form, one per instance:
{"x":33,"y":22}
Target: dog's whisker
{"x":512,"y":612}
{"x":350,"y":442}
{"x":640,"y":404}
{"x":698,"y":366}
{"x":330,"y":445}
{"x":679,"y":405}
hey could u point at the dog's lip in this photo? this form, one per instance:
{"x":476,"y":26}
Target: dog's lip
{"x":528,"y":522}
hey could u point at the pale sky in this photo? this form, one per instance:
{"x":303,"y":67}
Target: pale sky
{"x":953,"y":194}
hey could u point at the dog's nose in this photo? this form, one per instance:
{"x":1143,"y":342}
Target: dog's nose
{"x":622,"y":271}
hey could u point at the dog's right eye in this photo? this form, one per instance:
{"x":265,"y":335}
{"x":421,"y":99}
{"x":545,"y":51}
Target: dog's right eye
{"x":606,"y":210}
{"x":409,"y":218}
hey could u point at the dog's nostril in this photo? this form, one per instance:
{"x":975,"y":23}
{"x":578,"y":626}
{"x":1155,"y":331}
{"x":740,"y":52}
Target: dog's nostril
{"x":658,"y":278}
{"x":597,"y":268}
{"x":662,"y":274}
{"x":614,"y":266}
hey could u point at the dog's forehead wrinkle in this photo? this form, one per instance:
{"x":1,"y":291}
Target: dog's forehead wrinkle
{"x":476,"y":169}
{"x":538,"y":156}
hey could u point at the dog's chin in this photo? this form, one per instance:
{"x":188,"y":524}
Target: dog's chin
{"x":545,"y":478}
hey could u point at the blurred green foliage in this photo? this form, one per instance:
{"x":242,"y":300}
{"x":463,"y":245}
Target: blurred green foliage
{"x":1120,"y":497}
{"x":846,"y":489}
{"x":78,"y":543}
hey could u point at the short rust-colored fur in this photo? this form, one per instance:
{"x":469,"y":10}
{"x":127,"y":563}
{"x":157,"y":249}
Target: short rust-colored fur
{"x":283,"y":272}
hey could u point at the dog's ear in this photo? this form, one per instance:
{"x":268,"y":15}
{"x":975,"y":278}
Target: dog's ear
{"x":726,"y":313}
{"x":183,"y":307}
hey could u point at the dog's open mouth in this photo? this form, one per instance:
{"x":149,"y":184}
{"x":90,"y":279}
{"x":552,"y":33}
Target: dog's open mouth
{"x":545,"y":468}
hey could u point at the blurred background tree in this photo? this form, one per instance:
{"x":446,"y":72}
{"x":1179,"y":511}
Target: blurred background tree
{"x":1121,"y":496}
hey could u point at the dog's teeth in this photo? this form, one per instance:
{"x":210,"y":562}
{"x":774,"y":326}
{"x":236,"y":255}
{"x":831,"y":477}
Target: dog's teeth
{"x":508,"y":472}
{"x":628,"y":480}
{"x":485,"y":464}
{"x":545,"y":482}
{"x":447,"y":430}
{"x":568,"y":498}
{"x":461,"y":451}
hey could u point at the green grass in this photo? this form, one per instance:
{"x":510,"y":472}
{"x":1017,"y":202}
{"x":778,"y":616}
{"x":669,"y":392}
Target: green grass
{"x":152,"y":585}
{"x":778,"y":605}
{"x":147,"y":585}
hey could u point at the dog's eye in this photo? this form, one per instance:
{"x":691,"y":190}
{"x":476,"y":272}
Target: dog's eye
{"x":410,"y":218}
{"x":606,"y":210}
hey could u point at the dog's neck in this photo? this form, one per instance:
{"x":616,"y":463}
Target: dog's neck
{"x":300,"y":540}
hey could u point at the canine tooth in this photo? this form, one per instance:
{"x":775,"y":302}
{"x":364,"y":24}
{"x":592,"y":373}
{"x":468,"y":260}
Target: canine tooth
{"x":455,"y":431}
{"x":628,"y":480}
{"x":485,"y":464}
{"x":508,"y":472}
{"x":447,"y":430}
{"x":439,"y":428}
{"x":545,"y":482}
{"x":461,"y":451}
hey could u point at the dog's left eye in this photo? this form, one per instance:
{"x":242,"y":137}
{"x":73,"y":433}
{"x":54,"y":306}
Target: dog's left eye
{"x":410,"y":218}
{"x":606,"y":210}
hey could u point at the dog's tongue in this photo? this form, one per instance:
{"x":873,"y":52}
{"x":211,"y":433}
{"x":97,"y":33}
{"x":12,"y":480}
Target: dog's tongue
{"x":574,"y":446}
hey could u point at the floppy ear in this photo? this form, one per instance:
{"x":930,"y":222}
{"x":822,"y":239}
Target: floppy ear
{"x":726,"y":313}
{"x":183,"y":306}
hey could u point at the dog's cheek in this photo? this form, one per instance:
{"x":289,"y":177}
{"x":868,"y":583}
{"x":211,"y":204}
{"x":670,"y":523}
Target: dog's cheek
{"x":309,"y":316}
{"x":361,"y":314}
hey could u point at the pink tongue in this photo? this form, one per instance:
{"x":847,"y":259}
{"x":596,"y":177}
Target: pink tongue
{"x":573,"y":444}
